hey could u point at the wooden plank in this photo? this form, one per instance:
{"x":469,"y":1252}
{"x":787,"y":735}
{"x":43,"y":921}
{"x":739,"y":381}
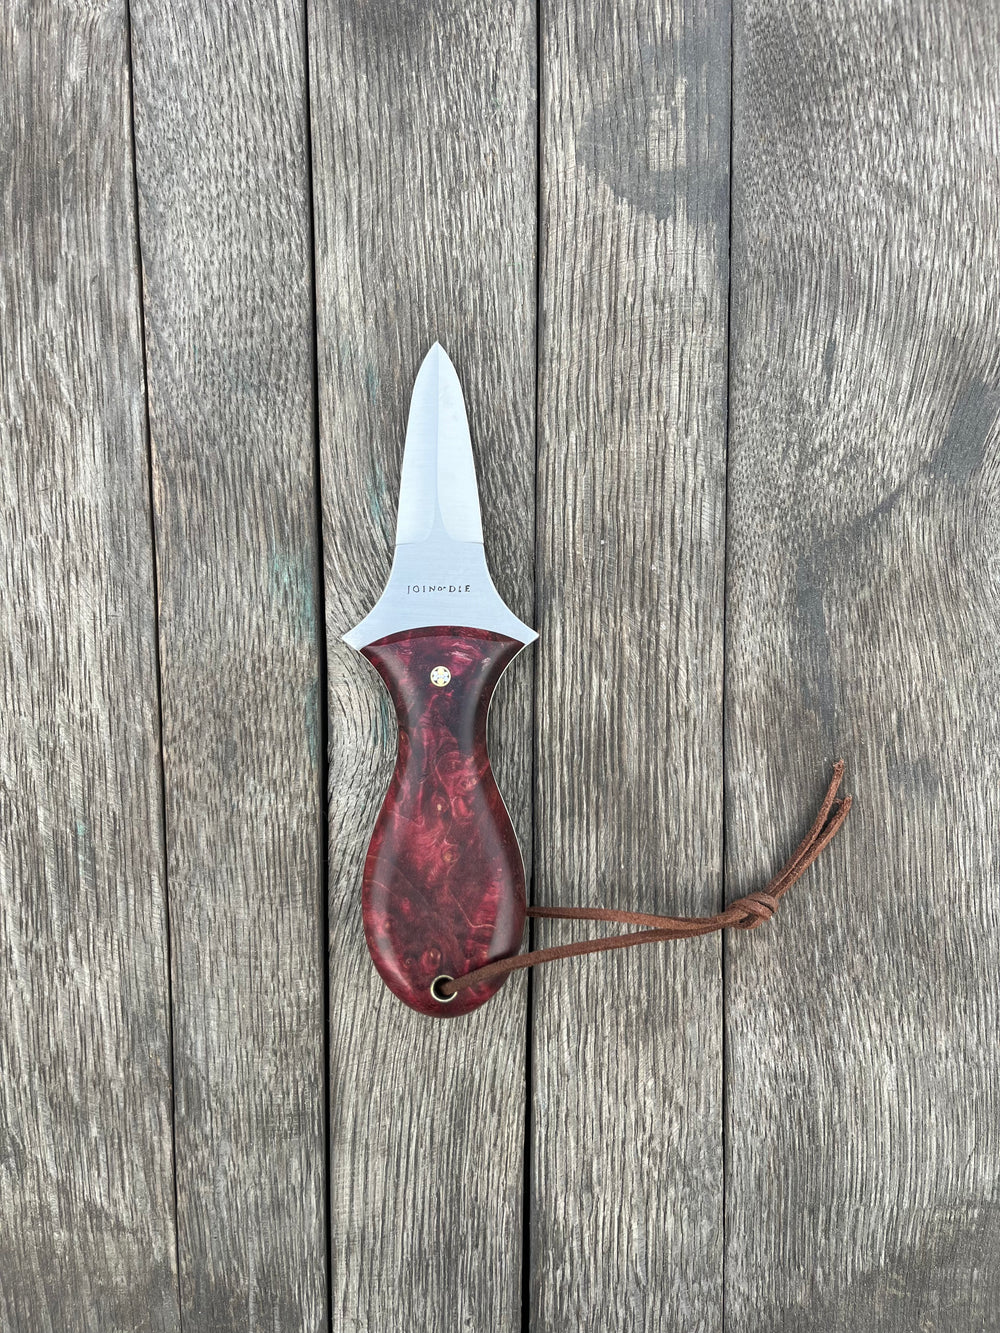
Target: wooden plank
{"x":627,"y":1159}
{"x":222,"y":168}
{"x":864,"y":1096}
{"x":424,"y":124}
{"x":86,"y":1182}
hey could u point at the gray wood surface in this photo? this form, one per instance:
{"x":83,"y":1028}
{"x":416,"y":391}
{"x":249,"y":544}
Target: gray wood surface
{"x":86,"y":1185}
{"x":863,"y":1091}
{"x":626,"y":1190}
{"x":203,"y":1123}
{"x":221,"y":144}
{"x":424,"y":131}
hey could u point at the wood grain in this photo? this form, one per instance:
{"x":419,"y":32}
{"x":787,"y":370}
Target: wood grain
{"x":424,"y":132}
{"x":86,"y":1184}
{"x":626,"y":1193}
{"x":224,"y":209}
{"x":864,"y":1098}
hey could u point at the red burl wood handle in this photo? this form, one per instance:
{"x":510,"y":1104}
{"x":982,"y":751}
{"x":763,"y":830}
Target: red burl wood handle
{"x":443,"y":886}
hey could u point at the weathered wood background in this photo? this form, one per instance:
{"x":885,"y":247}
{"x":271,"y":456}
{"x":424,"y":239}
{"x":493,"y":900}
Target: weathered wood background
{"x":721,"y":286}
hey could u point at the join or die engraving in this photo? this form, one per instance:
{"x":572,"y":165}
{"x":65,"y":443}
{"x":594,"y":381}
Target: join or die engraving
{"x":438,"y":587}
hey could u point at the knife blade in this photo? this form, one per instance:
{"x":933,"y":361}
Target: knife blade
{"x":443,"y":885}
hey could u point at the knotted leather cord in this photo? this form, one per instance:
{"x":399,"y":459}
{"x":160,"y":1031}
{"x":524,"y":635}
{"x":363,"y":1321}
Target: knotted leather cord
{"x":744,"y":913}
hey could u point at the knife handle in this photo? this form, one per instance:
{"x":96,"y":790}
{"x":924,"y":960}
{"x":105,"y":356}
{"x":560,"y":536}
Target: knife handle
{"x":443,"y":889}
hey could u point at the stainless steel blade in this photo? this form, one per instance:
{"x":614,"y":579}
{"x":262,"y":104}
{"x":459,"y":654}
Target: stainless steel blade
{"x":439,"y":574}
{"x":437,"y":489}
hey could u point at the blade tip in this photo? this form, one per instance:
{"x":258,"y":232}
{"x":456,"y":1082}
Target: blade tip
{"x":436,"y":352}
